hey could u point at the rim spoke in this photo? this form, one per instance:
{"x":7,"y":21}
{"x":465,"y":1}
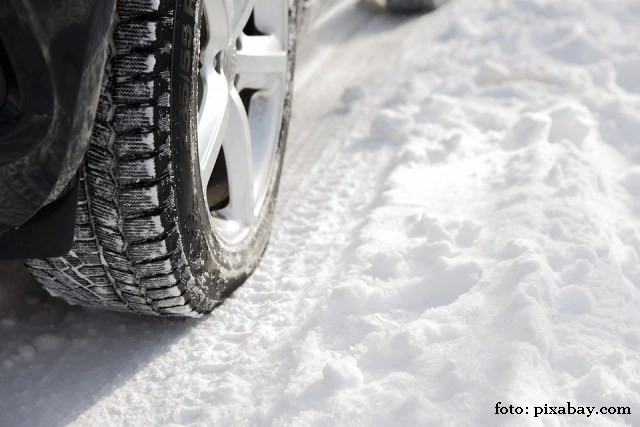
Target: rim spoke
{"x":239,"y":158}
{"x":265,"y":119}
{"x":212,"y":122}
{"x":218,"y":16}
{"x":270,"y":19}
{"x":242,"y":12}
{"x":261,"y":62}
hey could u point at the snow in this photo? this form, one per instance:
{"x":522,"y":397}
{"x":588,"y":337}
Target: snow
{"x":151,"y":62}
{"x":151,"y":26}
{"x":458,"y":226}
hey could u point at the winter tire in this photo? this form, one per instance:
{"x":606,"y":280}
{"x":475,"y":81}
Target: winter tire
{"x":411,"y":6}
{"x":178,"y":188}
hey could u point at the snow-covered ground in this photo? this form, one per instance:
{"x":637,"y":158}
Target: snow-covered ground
{"x":459,"y":225}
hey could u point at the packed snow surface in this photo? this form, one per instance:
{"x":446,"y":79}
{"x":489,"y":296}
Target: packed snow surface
{"x":459,"y":225}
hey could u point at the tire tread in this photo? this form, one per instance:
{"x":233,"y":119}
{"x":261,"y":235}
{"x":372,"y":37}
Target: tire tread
{"x":127,"y":254}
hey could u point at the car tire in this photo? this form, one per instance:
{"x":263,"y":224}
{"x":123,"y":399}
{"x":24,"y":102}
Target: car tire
{"x":411,"y":6}
{"x":144,"y":238}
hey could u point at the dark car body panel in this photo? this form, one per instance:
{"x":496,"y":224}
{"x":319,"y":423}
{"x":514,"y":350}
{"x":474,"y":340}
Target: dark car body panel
{"x":52,"y":53}
{"x":47,"y":234}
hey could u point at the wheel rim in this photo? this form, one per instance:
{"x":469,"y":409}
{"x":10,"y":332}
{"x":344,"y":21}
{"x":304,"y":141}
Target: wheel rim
{"x":242,"y":89}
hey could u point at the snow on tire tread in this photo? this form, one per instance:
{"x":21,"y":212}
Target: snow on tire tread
{"x":127,"y":254}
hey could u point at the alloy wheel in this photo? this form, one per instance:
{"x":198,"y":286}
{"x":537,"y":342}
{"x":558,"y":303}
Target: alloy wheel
{"x":242,"y":90}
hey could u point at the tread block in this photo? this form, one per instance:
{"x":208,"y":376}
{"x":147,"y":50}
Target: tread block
{"x":105,"y":109}
{"x":107,"y":78}
{"x":82,"y":192}
{"x":140,"y":144}
{"x":141,"y":34}
{"x":73,"y":261}
{"x":122,"y":277}
{"x":146,"y":90}
{"x":140,"y":64}
{"x":83,"y":232}
{"x":82,"y":213}
{"x":104,"y":211}
{"x":161,"y":266}
{"x":107,"y":291}
{"x":171,"y":302}
{"x":158,"y":294}
{"x":99,"y":158}
{"x":163,"y":281}
{"x":148,"y":227}
{"x":128,"y":119}
{"x":141,"y":171}
{"x":85,"y":246}
{"x":130,"y":289}
{"x":134,"y":298}
{"x":71,"y":281}
{"x":101,"y":185}
{"x":110,"y":238}
{"x":101,"y":135}
{"x":90,"y":256}
{"x":183,"y":310}
{"x":58,"y":263}
{"x":140,"y":7}
{"x":97,"y":274}
{"x":118,"y":262}
{"x":149,"y":251}
{"x":133,"y":201}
